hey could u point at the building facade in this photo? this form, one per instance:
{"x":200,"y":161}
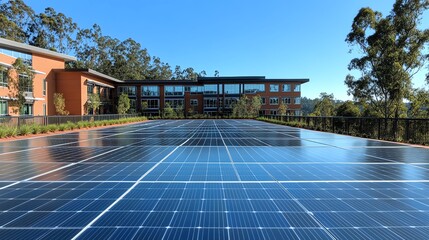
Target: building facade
{"x":206,"y":95}
{"x":213,"y":95}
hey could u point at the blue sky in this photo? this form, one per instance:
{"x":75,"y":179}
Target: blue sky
{"x":273,"y":38}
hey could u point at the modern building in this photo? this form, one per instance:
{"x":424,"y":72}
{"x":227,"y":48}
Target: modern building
{"x":208,"y":95}
{"x":213,"y":95}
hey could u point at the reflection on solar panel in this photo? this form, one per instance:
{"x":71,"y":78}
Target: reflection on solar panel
{"x":212,"y":179}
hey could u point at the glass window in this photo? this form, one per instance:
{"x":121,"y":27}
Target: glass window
{"x":150,"y":91}
{"x":196,"y":90}
{"x":132,"y":105}
{"x":174,"y":90}
{"x":194,"y":102}
{"x":273,"y":112}
{"x":232,"y":88}
{"x":286,"y":100}
{"x":297,"y":113}
{"x":263,"y":101}
{"x":151,"y":103}
{"x":297,"y":88}
{"x":90,"y":88}
{"x":44,"y":109}
{"x":297,"y":100}
{"x":3,"y":78}
{"x":25,"y":83}
{"x":274,"y":101}
{"x":210,"y":103}
{"x":3,"y":107}
{"x":230,"y":101}
{"x":286,"y":87}
{"x":174,"y":103}
{"x":210,"y":89}
{"x":254,"y":88}
{"x":44,"y":87}
{"x":26,"y":58}
{"x":274,"y":87}
{"x":27,"y":109}
{"x":130,"y":90}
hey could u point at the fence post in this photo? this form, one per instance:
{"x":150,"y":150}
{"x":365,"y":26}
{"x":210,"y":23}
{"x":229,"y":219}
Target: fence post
{"x":407,"y":129}
{"x":379,"y":128}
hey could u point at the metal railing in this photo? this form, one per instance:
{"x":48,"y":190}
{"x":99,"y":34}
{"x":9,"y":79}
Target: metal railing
{"x":411,"y":130}
{"x":16,"y":121}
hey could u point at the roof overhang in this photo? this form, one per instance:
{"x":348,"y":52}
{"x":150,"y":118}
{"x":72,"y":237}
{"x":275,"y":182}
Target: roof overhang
{"x":22,"y":47}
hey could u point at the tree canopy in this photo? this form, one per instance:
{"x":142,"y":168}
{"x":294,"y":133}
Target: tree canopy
{"x":392,"y":52}
{"x":125,"y":60}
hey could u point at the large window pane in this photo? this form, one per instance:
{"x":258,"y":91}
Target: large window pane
{"x":151,"y":103}
{"x":232,"y":88}
{"x":210,"y":89}
{"x":174,"y":90}
{"x":254,"y":88}
{"x":3,"y":78}
{"x":3,"y":107}
{"x":130,"y":90}
{"x":150,"y":91}
{"x":286,"y":87}
{"x":274,"y":87}
{"x":297,"y":88}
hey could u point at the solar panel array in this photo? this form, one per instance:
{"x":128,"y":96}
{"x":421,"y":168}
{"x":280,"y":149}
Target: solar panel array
{"x":212,"y":179}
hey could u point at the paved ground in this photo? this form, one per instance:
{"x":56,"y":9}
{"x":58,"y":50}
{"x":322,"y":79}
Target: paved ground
{"x":206,"y":179}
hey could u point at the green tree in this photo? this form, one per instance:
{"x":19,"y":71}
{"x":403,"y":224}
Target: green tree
{"x":93,"y":102}
{"x":392,"y":52}
{"x":123,"y":103}
{"x":246,"y":107}
{"x":54,"y":31}
{"x":20,"y":81}
{"x":308,"y":105}
{"x":239,"y":109}
{"x":15,"y":20}
{"x":145,"y":106}
{"x":282,"y":108}
{"x":169,"y":111}
{"x":255,"y":106}
{"x":419,"y":105}
{"x":324,"y":106}
{"x":348,"y":109}
{"x":60,"y":104}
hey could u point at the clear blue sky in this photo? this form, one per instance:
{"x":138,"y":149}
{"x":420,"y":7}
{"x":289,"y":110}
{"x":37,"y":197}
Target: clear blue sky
{"x":274,"y":38}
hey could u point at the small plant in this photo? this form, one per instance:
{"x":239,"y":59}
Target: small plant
{"x":25,"y":130}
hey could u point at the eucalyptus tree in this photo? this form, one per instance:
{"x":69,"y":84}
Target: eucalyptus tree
{"x":393,"y":52}
{"x":15,"y":20}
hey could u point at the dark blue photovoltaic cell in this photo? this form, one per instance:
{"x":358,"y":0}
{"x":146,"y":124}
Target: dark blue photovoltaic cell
{"x":212,"y":179}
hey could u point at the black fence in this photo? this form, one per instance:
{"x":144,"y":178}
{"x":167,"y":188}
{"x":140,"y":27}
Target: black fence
{"x":411,"y":130}
{"x":15,"y":121}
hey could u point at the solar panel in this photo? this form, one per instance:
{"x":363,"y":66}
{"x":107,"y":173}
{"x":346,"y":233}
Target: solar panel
{"x":212,"y":179}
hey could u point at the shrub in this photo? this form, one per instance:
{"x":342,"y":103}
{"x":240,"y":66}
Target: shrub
{"x":36,"y":128}
{"x":25,"y":130}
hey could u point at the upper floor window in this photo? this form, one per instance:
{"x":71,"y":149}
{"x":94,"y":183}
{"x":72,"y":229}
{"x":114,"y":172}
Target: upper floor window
{"x":232,"y":89}
{"x":274,"y":87}
{"x":26,"y":58}
{"x":297,"y":100}
{"x":286,"y":87}
{"x":254,"y":88}
{"x":196,"y":89}
{"x":297,"y":88}
{"x":194,"y":102}
{"x":3,"y":78}
{"x":90,"y":88}
{"x":130,"y":90}
{"x":25,"y":83}
{"x":150,"y":91}
{"x":174,"y":90}
{"x":210,"y":89}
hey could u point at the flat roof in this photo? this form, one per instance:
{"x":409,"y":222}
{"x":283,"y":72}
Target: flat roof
{"x":22,"y":47}
{"x":212,"y":80}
